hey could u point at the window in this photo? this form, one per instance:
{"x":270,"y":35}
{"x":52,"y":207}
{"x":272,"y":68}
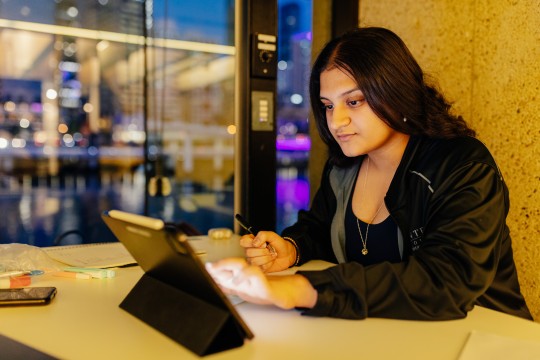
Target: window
{"x":85,"y":126}
{"x":91,"y":119}
{"x":293,"y":141}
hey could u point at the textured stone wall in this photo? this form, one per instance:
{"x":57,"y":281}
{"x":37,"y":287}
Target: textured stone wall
{"x":485,"y":55}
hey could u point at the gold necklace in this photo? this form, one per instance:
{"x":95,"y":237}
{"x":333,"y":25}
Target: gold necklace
{"x":364,"y":240}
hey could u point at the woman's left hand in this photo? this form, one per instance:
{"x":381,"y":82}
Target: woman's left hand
{"x":269,"y":251}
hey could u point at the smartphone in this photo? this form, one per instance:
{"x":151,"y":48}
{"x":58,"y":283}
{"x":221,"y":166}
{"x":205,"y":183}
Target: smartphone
{"x":27,"y":296}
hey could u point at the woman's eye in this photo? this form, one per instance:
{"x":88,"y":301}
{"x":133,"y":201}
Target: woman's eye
{"x":355,"y":102}
{"x":327,"y":106}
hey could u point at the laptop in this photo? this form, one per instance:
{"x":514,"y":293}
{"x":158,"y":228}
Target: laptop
{"x":176,"y":295}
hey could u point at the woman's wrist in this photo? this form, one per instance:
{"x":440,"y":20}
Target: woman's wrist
{"x":294,"y":257}
{"x":306,"y":294}
{"x":292,"y":291}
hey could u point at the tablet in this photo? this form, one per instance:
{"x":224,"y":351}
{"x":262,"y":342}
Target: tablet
{"x":165,"y":254}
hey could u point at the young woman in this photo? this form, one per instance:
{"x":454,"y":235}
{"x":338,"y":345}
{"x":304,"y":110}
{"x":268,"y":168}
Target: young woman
{"x":411,"y":206}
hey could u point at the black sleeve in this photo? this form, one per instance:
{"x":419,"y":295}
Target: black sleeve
{"x":454,"y":265}
{"x":312,"y":230}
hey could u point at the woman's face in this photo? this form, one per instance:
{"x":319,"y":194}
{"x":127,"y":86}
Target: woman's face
{"x":352,"y":122}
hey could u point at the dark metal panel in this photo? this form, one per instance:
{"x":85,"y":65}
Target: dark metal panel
{"x":255,"y":162}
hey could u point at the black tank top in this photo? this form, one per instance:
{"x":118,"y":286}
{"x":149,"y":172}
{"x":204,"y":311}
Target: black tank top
{"x":382,"y":240}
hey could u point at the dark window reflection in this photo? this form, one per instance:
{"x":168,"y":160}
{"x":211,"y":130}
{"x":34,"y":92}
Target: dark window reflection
{"x":293,"y":142}
{"x":76,"y":138}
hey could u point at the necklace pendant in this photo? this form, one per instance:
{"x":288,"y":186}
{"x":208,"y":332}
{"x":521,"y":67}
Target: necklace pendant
{"x":364,"y":251}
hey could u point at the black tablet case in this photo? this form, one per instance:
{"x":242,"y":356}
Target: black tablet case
{"x":14,"y":350}
{"x":176,"y":295}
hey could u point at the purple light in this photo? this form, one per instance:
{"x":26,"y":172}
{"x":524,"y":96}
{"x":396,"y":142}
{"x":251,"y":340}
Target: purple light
{"x":299,"y":143}
{"x":294,"y":191}
{"x":302,"y":35}
{"x":36,"y":107}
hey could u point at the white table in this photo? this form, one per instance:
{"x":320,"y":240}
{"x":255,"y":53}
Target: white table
{"x":85,"y":322}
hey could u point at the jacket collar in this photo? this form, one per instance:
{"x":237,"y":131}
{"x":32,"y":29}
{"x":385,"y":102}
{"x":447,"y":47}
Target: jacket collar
{"x":395,"y":190}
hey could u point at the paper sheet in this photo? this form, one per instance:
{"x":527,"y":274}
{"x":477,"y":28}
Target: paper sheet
{"x":481,"y":345}
{"x":98,"y":255}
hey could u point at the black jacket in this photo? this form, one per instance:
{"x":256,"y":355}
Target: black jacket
{"x":450,"y":203}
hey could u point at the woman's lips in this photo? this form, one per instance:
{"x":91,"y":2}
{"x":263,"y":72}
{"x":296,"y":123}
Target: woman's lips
{"x":344,"y":137}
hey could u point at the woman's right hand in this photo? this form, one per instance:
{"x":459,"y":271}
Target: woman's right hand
{"x":269,"y":251}
{"x":236,"y":277}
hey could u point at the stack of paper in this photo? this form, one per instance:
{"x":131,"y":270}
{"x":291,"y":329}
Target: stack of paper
{"x":98,"y":255}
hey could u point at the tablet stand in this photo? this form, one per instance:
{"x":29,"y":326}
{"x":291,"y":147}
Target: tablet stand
{"x":201,"y":327}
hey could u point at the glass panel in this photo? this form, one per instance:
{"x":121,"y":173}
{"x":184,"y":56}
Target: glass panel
{"x":77,"y":123}
{"x":191,"y":136}
{"x":293,"y":142}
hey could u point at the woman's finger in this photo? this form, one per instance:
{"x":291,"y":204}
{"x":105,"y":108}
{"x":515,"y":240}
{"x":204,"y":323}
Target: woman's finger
{"x":257,"y":252}
{"x":232,"y":264}
{"x":247,"y":241}
{"x":224,"y":270}
{"x":260,"y":260}
{"x":267,"y":266}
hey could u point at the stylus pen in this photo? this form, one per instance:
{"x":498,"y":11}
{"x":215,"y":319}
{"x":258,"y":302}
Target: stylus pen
{"x":252,"y":230}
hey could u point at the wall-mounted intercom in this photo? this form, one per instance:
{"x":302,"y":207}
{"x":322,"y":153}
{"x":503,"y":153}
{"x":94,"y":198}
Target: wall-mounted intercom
{"x":263,"y":55}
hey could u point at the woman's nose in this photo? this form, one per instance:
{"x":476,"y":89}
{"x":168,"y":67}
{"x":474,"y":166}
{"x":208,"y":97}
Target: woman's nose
{"x":339,"y":118}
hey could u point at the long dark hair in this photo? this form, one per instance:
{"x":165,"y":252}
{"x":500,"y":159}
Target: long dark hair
{"x":393,"y":84}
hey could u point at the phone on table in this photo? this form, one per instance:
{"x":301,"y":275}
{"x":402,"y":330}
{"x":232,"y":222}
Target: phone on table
{"x":27,"y":296}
